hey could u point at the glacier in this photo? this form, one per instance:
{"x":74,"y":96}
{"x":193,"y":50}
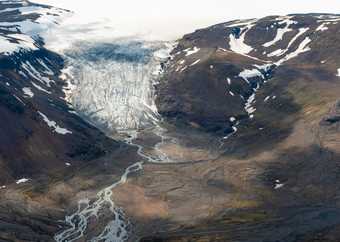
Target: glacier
{"x":113,"y":83}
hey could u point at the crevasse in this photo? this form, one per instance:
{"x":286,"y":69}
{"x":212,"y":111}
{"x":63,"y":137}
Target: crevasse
{"x":113,"y":84}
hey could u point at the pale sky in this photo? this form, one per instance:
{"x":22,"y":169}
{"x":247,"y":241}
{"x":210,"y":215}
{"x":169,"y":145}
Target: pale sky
{"x":173,"y":18}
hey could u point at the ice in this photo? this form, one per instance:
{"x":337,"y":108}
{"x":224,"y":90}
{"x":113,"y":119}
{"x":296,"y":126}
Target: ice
{"x":112,"y":84}
{"x":53,"y":124}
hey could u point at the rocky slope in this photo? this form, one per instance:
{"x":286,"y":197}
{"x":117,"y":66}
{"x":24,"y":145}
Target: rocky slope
{"x":216,"y":72}
{"x":43,"y":142}
{"x":270,"y":87}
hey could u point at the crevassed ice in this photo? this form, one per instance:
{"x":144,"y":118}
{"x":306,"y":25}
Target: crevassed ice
{"x":113,"y":84}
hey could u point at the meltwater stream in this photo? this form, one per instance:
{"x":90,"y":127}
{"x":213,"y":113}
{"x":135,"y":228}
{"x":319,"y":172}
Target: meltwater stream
{"x":112,"y":86}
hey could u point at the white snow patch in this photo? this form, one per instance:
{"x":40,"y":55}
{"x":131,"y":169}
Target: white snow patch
{"x":196,"y":62}
{"x":281,"y":32}
{"x":47,"y":70}
{"x":248,"y":106}
{"x":19,"y":99}
{"x":191,"y":51}
{"x":181,"y":62}
{"x":40,"y":88}
{"x":237,"y":44}
{"x":232,"y":119}
{"x":22,"y":180}
{"x":277,"y":52}
{"x":222,"y":49}
{"x":329,"y":20}
{"x":280,"y":52}
{"x":278,"y":185}
{"x":28,"y":92}
{"x":303,"y":47}
{"x":36,"y":74}
{"x":53,"y":124}
{"x":238,"y":23}
{"x":183,"y":69}
{"x":250,"y":73}
{"x":322,"y":27}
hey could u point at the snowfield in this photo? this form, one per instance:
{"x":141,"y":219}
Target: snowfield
{"x":23,"y":35}
{"x":53,"y":124}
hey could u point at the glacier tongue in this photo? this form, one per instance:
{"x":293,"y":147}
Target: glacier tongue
{"x":114,"y":82}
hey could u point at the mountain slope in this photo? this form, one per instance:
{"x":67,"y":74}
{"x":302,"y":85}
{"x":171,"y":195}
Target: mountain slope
{"x":249,"y":151}
{"x":47,"y":152}
{"x":216,"y":71}
{"x":269,"y":88}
